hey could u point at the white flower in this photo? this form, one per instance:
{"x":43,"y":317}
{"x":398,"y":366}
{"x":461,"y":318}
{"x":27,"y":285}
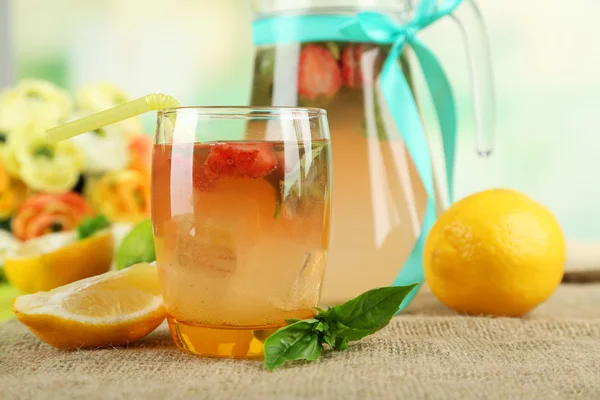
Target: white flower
{"x":33,"y":100}
{"x":101,"y":96}
{"x":18,"y":139}
{"x":43,"y":166}
{"x":103,"y":150}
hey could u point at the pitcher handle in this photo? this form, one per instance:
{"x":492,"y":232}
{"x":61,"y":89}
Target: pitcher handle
{"x":471,"y":25}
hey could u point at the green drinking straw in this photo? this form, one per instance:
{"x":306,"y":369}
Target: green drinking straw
{"x":151,"y":102}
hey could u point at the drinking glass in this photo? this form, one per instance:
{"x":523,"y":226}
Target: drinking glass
{"x":241,"y":211}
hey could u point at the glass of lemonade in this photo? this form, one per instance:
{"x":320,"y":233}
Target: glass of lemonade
{"x":241,"y":215}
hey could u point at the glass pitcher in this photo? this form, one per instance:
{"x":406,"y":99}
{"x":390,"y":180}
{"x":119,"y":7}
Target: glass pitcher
{"x":379,"y":199}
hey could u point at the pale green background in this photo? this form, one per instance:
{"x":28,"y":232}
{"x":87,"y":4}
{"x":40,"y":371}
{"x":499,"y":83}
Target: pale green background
{"x":545,"y":54}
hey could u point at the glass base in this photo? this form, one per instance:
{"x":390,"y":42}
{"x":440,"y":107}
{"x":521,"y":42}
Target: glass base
{"x":220,"y":341}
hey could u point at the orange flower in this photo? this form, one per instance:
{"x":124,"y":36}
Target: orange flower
{"x":12,"y":194}
{"x":122,"y":196}
{"x":45,"y":213}
{"x":4,"y":180}
{"x":140,"y":154}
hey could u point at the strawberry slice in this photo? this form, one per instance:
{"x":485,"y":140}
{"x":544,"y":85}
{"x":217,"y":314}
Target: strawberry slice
{"x":178,"y":166}
{"x":318,"y":73}
{"x":241,"y":160}
{"x":355,"y":75}
{"x":350,"y":60}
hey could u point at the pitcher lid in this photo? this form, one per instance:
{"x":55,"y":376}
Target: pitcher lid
{"x":284,"y":6}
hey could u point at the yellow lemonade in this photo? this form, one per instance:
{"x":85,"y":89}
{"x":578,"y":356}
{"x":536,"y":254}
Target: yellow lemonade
{"x":241,"y":239}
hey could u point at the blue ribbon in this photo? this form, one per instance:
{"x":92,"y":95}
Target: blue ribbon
{"x":372,"y":27}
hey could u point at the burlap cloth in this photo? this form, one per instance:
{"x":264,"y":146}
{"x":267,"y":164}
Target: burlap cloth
{"x":427,"y":352}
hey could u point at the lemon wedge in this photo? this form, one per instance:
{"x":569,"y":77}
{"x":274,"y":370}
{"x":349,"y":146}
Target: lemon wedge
{"x":57,"y":259}
{"x":111,"y":309}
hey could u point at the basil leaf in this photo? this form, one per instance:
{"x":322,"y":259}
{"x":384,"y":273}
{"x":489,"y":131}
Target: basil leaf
{"x":320,"y":327}
{"x":367,"y":313}
{"x":329,"y":339}
{"x":333,"y":332}
{"x":341,"y":343}
{"x":335,"y":327}
{"x":90,"y":225}
{"x":293,"y":342}
{"x":137,"y":246}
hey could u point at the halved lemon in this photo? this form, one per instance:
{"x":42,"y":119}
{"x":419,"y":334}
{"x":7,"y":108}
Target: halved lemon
{"x":57,"y":259}
{"x":111,"y":309}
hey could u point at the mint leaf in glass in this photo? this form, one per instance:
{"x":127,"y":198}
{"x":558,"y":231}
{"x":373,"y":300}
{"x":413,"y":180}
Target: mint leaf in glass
{"x":292,"y":194}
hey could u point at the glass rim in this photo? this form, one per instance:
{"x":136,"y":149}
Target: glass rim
{"x":249,"y":112}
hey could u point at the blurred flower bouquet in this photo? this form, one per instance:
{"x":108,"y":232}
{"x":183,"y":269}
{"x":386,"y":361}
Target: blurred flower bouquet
{"x":49,"y":187}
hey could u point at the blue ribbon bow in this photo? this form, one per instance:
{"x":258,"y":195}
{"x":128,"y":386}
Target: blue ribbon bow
{"x":372,"y":27}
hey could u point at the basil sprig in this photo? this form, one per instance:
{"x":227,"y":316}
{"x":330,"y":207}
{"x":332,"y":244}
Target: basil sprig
{"x":334,"y":327}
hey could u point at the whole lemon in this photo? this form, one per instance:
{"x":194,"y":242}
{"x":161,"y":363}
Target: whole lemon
{"x":496,"y":252}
